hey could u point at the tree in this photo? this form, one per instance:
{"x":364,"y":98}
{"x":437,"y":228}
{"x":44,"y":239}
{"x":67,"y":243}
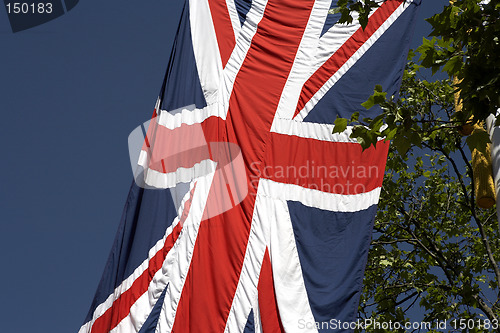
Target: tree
{"x":433,"y":249}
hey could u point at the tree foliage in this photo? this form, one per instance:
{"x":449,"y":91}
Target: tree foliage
{"x":433,"y":249}
{"x":465,"y":45}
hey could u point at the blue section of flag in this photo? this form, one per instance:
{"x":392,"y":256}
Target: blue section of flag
{"x":243,"y":6}
{"x":333,"y":249}
{"x":147,"y":214}
{"x":250,"y":326}
{"x":182,"y":87}
{"x":331,"y":19}
{"x":388,"y":56}
{"x":149,"y":325}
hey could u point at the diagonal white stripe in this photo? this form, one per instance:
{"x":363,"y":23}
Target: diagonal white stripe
{"x":206,"y":49}
{"x":173,"y":271}
{"x":332,"y":40}
{"x":233,"y":15}
{"x":304,"y":58}
{"x":176,"y":266}
{"x":127,"y":283}
{"x":291,"y":293}
{"x":349,"y":63}
{"x":246,"y":292}
{"x":256,"y":315}
{"x":243,"y":42}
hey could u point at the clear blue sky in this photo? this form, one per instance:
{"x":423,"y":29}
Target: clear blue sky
{"x":71,"y":90}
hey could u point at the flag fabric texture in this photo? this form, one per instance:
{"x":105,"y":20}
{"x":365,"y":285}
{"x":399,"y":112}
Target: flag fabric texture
{"x":248,"y":214}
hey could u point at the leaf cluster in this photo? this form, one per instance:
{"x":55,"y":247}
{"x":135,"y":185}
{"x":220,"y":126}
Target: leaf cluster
{"x":361,"y":8}
{"x":431,"y":248}
{"x":465,"y":46}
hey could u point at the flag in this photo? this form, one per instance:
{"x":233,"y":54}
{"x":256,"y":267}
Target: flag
{"x":247,"y":214}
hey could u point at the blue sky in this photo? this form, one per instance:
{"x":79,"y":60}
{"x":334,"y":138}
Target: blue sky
{"x":71,"y":91}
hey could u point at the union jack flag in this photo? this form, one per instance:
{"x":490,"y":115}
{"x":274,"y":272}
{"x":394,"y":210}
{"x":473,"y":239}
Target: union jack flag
{"x":248,"y":214}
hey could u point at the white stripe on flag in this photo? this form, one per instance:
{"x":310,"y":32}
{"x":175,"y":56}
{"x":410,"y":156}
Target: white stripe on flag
{"x":235,"y":19}
{"x":127,"y":283}
{"x":246,"y":292}
{"x":307,"y":130}
{"x":243,"y":42}
{"x":174,"y":269}
{"x":306,"y":53}
{"x":322,"y":200}
{"x":349,"y":63}
{"x":206,"y":49}
{"x":189,"y":117}
{"x":177,"y":263}
{"x":291,"y":293}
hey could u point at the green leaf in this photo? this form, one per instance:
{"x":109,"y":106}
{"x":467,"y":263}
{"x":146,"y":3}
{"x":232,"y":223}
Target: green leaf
{"x":363,"y":20}
{"x":478,"y":140}
{"x":415,"y":138}
{"x":427,"y":237}
{"x":369,"y":103}
{"x":354,"y":117}
{"x":376,"y":123}
{"x":364,"y":136}
{"x":453,"y":65}
{"x":334,"y":10}
{"x":340,"y":125}
{"x":378,"y":97}
{"x":402,"y":145}
{"x":391,"y":133}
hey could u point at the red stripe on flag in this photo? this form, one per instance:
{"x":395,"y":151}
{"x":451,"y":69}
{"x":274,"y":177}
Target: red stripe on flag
{"x":334,"y":167}
{"x":346,"y":51}
{"x":223,"y":29}
{"x":121,"y":306}
{"x":268,"y":307}
{"x":221,"y":243}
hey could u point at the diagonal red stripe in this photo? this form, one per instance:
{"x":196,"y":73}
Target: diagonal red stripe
{"x":121,"y":306}
{"x":223,"y":29}
{"x":269,"y":313}
{"x":346,"y":51}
